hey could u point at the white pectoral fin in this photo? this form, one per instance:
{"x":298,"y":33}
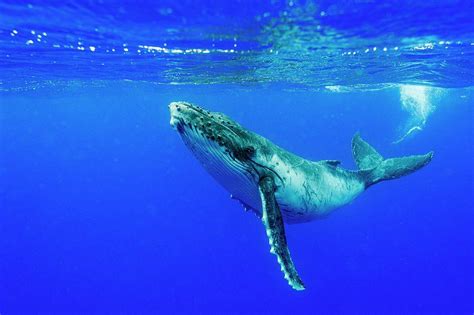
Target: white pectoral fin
{"x":275,"y":229}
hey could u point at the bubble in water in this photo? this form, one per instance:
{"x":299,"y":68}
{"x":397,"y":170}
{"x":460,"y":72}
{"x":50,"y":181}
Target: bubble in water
{"x":419,"y":102}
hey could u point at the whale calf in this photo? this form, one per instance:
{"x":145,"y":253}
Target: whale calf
{"x":279,"y":186}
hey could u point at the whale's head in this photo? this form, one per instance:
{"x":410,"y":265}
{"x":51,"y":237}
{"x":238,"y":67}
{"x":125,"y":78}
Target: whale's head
{"x":212,"y":133}
{"x":229,"y":152}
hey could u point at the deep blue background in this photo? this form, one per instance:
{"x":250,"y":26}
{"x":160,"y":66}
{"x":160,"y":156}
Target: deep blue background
{"x":104,"y":209}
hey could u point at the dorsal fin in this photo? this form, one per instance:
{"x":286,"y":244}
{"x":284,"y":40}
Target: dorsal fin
{"x":364,"y":154}
{"x":334,"y":163}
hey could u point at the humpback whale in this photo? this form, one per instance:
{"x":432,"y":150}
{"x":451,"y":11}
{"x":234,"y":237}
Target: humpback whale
{"x":279,"y":186}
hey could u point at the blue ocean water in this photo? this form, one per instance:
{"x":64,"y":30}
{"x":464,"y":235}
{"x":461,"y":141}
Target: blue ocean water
{"x":103,"y":209}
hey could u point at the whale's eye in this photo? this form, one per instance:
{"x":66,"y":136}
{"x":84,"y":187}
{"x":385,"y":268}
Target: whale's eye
{"x":249,"y":151}
{"x":244,"y":153}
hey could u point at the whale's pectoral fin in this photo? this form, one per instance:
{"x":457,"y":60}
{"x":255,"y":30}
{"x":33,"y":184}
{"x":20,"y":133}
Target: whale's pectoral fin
{"x":275,"y":229}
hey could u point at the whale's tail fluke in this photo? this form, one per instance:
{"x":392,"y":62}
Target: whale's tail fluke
{"x":374,"y":168}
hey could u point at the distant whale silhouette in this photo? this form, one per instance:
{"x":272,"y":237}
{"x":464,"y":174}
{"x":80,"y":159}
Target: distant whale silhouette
{"x":276,"y":184}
